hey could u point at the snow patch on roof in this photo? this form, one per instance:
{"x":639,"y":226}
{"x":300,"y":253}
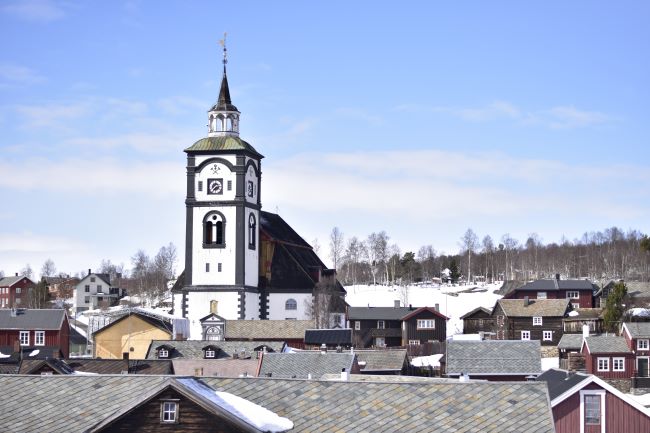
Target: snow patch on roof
{"x":574,"y":313}
{"x":548,"y":363}
{"x":34,"y":352}
{"x":639,"y":312}
{"x":427,"y":361}
{"x":2,"y":355}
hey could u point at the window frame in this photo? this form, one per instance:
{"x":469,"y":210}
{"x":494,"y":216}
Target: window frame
{"x":605,"y":366}
{"x":525,"y":335}
{"x":570,"y":292}
{"x":210,"y":354}
{"x":414,"y":342}
{"x":290,"y":306}
{"x":545,"y":295}
{"x":424,"y":324}
{"x":23,"y":341}
{"x":377,"y":339}
{"x":171,"y":408}
{"x":381,"y":324}
{"x":38,"y":334}
{"x":545,"y":333}
{"x":639,"y":346}
{"x":357,"y":325}
{"x":537,"y":321}
{"x":620,"y":360}
{"x":163,"y":353}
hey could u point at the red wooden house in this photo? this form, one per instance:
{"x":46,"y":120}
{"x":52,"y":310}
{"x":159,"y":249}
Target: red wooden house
{"x":579,"y":292}
{"x":14,"y":291}
{"x":586,"y":404}
{"x":37,"y":333}
{"x":637,"y":337}
{"x":609,"y":357}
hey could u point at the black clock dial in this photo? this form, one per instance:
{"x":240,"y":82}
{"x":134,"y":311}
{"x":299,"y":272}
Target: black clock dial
{"x":215,"y":186}
{"x":250,"y":188}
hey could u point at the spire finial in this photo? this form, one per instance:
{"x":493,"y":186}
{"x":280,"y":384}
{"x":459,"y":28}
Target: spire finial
{"x":222,"y":42}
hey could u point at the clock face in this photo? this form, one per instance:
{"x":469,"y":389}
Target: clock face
{"x":250,"y":188}
{"x":215,"y":186}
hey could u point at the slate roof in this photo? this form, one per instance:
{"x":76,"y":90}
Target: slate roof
{"x":194,"y":348}
{"x":381,"y":360}
{"x":378,"y":313}
{"x":29,"y":366}
{"x":312,"y":405}
{"x":10,"y":281}
{"x":638,"y":329}
{"x":216,"y":367}
{"x":552,"y":284}
{"x":302,"y":364}
{"x":535,"y":308}
{"x":606,"y":344}
{"x":330,"y":337}
{"x":267,"y":329}
{"x":494,"y":357}
{"x":570,"y":341}
{"x":116,"y":366}
{"x":32,"y":319}
{"x":560,"y":381}
{"x":476,"y":310}
{"x":638,"y":289}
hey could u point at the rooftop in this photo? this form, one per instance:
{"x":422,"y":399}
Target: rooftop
{"x":534,"y":308}
{"x":494,"y":357}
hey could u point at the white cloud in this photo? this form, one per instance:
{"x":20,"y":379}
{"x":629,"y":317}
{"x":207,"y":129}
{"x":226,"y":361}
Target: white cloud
{"x":571,"y":117}
{"x":35,"y":10}
{"x":18,"y":75}
{"x":52,"y":115}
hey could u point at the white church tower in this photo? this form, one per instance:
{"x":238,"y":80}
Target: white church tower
{"x":222,"y":224}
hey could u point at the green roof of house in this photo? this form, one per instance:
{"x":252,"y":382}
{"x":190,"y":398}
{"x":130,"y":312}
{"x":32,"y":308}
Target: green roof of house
{"x":222,"y":142}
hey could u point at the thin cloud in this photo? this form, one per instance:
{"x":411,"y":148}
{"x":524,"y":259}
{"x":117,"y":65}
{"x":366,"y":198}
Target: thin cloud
{"x":11,"y":75}
{"x":35,"y":10}
{"x":359,"y":114}
{"x":570,"y":117}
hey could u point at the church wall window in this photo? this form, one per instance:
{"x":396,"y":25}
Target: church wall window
{"x":200,"y":188}
{"x":214,"y":230}
{"x":207,"y":267}
{"x":291,"y":304}
{"x":218,"y":267}
{"x":229,"y":185}
{"x":252,"y":231}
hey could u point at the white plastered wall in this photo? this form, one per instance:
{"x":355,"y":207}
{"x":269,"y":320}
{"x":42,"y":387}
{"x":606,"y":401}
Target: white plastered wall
{"x":198,"y":306}
{"x":277,"y":301}
{"x":252,"y":307}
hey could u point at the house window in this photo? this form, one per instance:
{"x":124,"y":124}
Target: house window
{"x":87,"y":299}
{"x":525,"y":335}
{"x":169,"y":412}
{"x":87,"y":288}
{"x":618,"y":364}
{"x":99,"y":288}
{"x":603,"y":364}
{"x":426,"y":324}
{"x":381,"y":324}
{"x":198,"y":371}
{"x":92,"y":279}
{"x":200,"y":188}
{"x":39,"y":338}
{"x":214,"y":229}
{"x":163,"y":353}
{"x":592,"y":409}
{"x":209,"y":353}
{"x":414,"y":342}
{"x":573,"y":294}
{"x":380,"y":341}
{"x":18,"y":290}
{"x":252,"y":230}
{"x":291,"y":304}
{"x":537,"y":321}
{"x":357,"y":325}
{"x":642,"y":344}
{"x":541,"y":295}
{"x":547,"y":335}
{"x":24,"y":338}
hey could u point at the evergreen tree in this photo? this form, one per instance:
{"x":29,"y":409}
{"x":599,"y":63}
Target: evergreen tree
{"x":614,"y":307}
{"x":454,"y":273}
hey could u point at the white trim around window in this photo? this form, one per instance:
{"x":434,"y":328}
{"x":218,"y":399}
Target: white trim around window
{"x":598,"y":392}
{"x":642,"y":344}
{"x":602,"y":364}
{"x":39,"y":338}
{"x":357,"y":325}
{"x":547,"y":335}
{"x":573,"y":294}
{"x":525,"y":335}
{"x":381,"y":324}
{"x":426,"y":324}
{"x":618,"y":364}
{"x":414,"y":342}
{"x":23,"y":336}
{"x":537,"y":321}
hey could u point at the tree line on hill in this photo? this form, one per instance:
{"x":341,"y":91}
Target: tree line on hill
{"x":598,"y":256}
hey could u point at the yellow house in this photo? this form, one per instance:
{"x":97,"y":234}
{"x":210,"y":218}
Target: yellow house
{"x":131,"y":334}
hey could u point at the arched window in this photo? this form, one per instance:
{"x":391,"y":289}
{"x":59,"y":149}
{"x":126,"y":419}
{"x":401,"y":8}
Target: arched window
{"x":220,"y":123}
{"x":229,"y":123}
{"x":252,"y":230}
{"x":214,"y":230}
{"x":291,"y":304}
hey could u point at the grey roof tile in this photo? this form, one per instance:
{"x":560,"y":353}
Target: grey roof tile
{"x":302,"y":364}
{"x":606,"y":344}
{"x":494,"y":357}
{"x":638,"y":329}
{"x":271,"y":329}
{"x":570,"y":341}
{"x":32,"y":319}
{"x":194,"y":348}
{"x":535,"y":307}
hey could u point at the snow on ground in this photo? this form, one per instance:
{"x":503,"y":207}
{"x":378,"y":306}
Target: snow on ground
{"x":548,"y":363}
{"x":453,"y":303}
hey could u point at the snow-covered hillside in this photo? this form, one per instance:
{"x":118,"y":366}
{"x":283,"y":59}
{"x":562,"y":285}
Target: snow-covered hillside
{"x":453,"y":301}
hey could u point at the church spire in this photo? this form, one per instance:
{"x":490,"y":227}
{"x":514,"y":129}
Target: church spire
{"x":223,"y":117}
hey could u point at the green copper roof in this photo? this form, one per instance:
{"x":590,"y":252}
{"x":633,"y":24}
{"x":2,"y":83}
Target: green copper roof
{"x":222,"y":142}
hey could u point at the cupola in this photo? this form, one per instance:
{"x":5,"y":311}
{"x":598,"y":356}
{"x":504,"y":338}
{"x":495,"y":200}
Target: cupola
{"x":223,"y":117}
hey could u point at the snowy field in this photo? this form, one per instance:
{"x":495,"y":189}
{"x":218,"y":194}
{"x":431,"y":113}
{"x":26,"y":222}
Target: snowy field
{"x":451,"y":299}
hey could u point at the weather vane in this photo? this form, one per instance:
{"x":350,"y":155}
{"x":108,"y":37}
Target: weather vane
{"x":222,"y":42}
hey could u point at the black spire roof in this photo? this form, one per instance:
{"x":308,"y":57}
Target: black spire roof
{"x":224,"y":103}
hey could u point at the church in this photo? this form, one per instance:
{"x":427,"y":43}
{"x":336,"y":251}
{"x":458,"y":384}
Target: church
{"x":242,"y":263}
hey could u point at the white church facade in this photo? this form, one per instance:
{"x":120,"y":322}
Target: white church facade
{"x":240,"y":263}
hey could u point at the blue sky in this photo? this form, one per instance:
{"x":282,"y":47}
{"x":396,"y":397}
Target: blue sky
{"x":422,"y":119}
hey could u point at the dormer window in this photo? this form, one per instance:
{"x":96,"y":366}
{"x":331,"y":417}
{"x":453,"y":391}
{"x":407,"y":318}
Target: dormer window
{"x":209,"y":353}
{"x":163,"y":353}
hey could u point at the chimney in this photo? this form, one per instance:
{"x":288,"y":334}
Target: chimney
{"x":410,"y":307}
{"x":339,"y":349}
{"x":396,"y":303}
{"x":557,"y":277}
{"x":16,"y":273}
{"x":345,"y":375}
{"x":13,"y":312}
{"x":90,"y":271}
{"x":437,"y":307}
{"x":323,"y":348}
{"x":464,"y":377}
{"x":526,"y":301}
{"x":585,"y":330}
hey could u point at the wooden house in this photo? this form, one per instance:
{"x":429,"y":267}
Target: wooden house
{"x":478,"y":320}
{"x":586,"y":404}
{"x":330,"y":338}
{"x":579,"y":292}
{"x":579,"y":317}
{"x":610,"y":358}
{"x":423,"y":325}
{"x":37,"y":333}
{"x":130,"y":336}
{"x":14,"y":291}
{"x":525,"y":319}
{"x":637,"y":337}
